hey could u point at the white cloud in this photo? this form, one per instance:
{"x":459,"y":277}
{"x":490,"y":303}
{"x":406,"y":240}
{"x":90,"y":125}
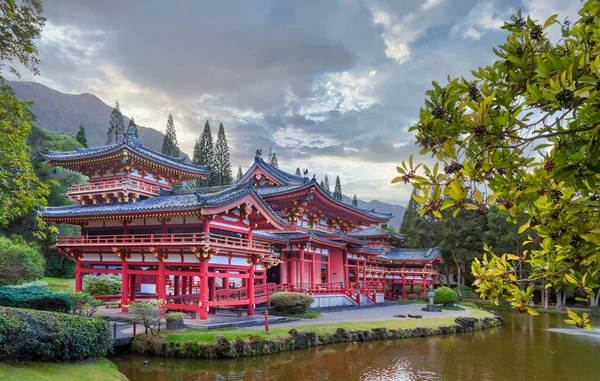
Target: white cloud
{"x":296,"y":138}
{"x":484,"y":17}
{"x":395,"y":36}
{"x":430,"y":4}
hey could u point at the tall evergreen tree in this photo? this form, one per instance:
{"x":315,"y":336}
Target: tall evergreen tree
{"x":298,"y":172}
{"x":116,"y":125}
{"x":355,"y":200}
{"x":274,"y":160}
{"x":204,"y":152}
{"x":169,"y":146}
{"x":222,"y":165}
{"x":80,"y":137}
{"x":240,"y":174}
{"x":322,"y":184}
{"x":326,"y":185}
{"x":409,"y":214}
{"x":132,"y":124}
{"x":337,"y":193}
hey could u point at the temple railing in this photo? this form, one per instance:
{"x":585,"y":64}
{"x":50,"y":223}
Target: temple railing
{"x":175,"y":239}
{"x":115,"y":185}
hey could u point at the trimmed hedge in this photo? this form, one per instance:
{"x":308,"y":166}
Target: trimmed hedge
{"x":291,"y":302}
{"x":29,"y":335}
{"x":445,"y":295}
{"x":34,"y":296}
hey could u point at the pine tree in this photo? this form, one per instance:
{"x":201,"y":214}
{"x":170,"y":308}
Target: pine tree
{"x":204,"y":153}
{"x":274,"y":160}
{"x":222,"y":166}
{"x":169,"y":146}
{"x":132,"y":123}
{"x":355,"y":200}
{"x":322,"y":184}
{"x":337,"y":193}
{"x":409,"y":214}
{"x":240,"y":174}
{"x":80,"y":137}
{"x":298,"y":172}
{"x":326,"y":185}
{"x":116,"y":125}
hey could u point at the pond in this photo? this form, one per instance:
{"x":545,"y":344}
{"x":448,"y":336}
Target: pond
{"x":525,"y":348}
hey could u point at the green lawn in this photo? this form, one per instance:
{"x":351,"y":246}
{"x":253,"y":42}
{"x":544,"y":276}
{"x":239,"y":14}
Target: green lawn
{"x":308,"y":314}
{"x":208,"y":336}
{"x":60,"y":284}
{"x":101,"y":369}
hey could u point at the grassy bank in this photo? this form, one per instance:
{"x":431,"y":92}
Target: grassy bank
{"x":60,"y":284}
{"x":101,"y":369}
{"x":230,"y":334}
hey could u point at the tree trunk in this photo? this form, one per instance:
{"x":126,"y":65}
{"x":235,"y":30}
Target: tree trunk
{"x":564,"y":298}
{"x":458,"y":271}
{"x":558,"y":298}
{"x":597,"y":299}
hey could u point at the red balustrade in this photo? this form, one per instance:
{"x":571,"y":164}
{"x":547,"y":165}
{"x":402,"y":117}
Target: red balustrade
{"x":162,"y":239}
{"x":115,"y":184}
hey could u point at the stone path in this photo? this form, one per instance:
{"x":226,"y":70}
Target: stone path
{"x":373,"y":314}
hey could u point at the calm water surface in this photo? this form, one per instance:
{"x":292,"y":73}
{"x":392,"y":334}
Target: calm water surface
{"x":525,"y":348}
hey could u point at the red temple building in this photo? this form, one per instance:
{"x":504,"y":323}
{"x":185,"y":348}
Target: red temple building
{"x":226,"y":247}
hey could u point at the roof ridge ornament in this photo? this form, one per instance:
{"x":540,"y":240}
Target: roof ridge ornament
{"x":130,"y":139}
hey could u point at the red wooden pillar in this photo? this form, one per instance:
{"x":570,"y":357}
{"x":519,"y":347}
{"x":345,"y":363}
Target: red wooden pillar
{"x":176,"y":285}
{"x":251,"y":290}
{"x":161,"y":287}
{"x":424,"y":283}
{"x":264,"y":280}
{"x":212,"y":288}
{"x":403,"y":286}
{"x":132,"y":287}
{"x":301,"y":266}
{"x":124,"y":286}
{"x":190,"y":285}
{"x":364,"y":272}
{"x":204,"y":290}
{"x":345,"y":264}
{"x":225,"y":283}
{"x":78,"y":276}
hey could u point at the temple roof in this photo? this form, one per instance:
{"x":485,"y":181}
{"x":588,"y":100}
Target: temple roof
{"x":375,"y":232}
{"x":201,"y":198}
{"x":135,"y":146}
{"x":413,"y":254}
{"x":271,"y":191}
{"x":280,"y":176}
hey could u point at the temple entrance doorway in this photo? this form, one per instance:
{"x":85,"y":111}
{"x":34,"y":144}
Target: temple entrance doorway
{"x":274,"y":275}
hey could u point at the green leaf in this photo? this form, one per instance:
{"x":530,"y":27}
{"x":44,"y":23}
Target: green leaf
{"x":570,"y":279}
{"x":523,"y":228}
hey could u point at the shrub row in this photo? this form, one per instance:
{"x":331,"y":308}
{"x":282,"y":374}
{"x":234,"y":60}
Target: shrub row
{"x":291,"y":302}
{"x":255,"y":345}
{"x":34,"y":296}
{"x":104,"y":284}
{"x":27,"y":335}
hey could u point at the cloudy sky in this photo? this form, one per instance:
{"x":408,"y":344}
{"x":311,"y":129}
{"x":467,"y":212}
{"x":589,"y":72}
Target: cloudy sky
{"x":331,"y":86}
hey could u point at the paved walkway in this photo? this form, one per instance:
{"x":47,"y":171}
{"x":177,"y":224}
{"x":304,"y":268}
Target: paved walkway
{"x":373,"y":314}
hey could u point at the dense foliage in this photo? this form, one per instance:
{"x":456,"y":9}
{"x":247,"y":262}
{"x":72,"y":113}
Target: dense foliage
{"x":148,"y":314}
{"x":104,"y":284}
{"x":19,"y":263}
{"x":116,"y":125}
{"x":445,"y":295}
{"x":291,"y":302}
{"x":524,"y":135}
{"x":28,"y":335}
{"x":82,"y":303}
{"x":204,"y":153}
{"x":337,"y":191}
{"x":35,"y":297}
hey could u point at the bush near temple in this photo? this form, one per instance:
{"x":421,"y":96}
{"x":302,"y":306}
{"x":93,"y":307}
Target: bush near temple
{"x":466,"y":292}
{"x":105,"y":284}
{"x":148,"y":314}
{"x":19,"y":263}
{"x":82,"y":303}
{"x":445,"y":295}
{"x":27,"y":335}
{"x":174,"y":320}
{"x":34,"y":296}
{"x":291,"y":302}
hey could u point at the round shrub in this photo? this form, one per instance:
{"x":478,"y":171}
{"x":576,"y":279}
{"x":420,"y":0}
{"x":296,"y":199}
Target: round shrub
{"x":105,"y":284}
{"x":19,"y":263}
{"x":175,"y":320}
{"x":291,"y":302}
{"x":445,"y":295}
{"x":34,"y":296}
{"x":28,"y":335}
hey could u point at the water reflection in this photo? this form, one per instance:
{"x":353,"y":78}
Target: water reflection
{"x":525,"y":348}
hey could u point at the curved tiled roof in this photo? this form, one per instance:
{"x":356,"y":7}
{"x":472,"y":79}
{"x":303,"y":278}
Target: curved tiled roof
{"x":269,"y":191}
{"x":267,"y":235}
{"x":282,"y":177}
{"x":430,"y":254}
{"x":136,"y":147}
{"x":168,"y":200}
{"x":374,"y":231}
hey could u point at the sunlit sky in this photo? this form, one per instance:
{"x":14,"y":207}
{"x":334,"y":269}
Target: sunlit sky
{"x":331,"y":86}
